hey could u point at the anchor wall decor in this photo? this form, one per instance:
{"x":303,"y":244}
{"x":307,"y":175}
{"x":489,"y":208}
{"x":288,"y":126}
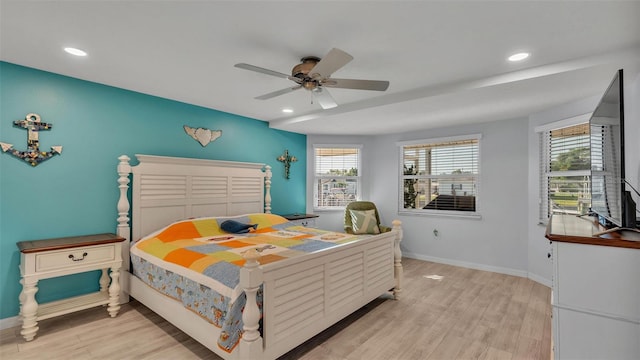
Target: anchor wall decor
{"x":32,"y":155}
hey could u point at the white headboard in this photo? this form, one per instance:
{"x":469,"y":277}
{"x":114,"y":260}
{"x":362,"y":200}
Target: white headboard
{"x":169,"y":189}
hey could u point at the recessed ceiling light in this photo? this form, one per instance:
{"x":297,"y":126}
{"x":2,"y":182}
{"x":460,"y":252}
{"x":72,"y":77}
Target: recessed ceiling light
{"x":519,"y":56}
{"x":74,"y":51}
{"x":287,"y":110}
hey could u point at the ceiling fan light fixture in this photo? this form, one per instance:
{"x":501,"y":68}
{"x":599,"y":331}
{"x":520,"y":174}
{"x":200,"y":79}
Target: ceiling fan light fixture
{"x":310,"y":85}
{"x":519,"y":56}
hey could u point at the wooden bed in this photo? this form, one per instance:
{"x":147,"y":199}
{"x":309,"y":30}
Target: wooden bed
{"x":346,"y":277}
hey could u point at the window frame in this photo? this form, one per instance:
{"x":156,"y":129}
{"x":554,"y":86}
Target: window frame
{"x":357,"y":178}
{"x":434,"y":212}
{"x":544,"y":162}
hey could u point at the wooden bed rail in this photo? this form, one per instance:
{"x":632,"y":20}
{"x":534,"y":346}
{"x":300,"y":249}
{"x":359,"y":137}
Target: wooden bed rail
{"x":397,"y":266}
{"x":253,"y":276}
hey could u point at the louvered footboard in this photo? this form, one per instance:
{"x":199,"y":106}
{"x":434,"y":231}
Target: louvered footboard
{"x":304,"y":297}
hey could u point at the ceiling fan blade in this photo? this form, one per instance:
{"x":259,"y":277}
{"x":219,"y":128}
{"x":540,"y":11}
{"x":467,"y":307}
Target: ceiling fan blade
{"x":324,"y":98}
{"x":277,"y":93}
{"x":262,"y":70}
{"x":334,"y":60}
{"x":377,"y":85}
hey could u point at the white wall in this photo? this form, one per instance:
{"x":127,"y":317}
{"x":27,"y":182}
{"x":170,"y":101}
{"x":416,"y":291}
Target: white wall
{"x":494,"y":242}
{"x":508,"y":238}
{"x":497,"y":242}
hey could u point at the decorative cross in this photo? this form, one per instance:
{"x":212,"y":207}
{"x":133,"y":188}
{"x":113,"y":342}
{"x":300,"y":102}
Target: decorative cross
{"x":287,"y":160}
{"x":32,"y":155}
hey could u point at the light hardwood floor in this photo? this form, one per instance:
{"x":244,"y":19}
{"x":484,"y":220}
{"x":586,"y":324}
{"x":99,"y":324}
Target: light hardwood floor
{"x":465,"y":314}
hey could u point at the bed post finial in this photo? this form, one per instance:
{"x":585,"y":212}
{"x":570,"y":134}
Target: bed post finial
{"x":267,"y":189}
{"x":124,"y":169}
{"x":397,"y":227}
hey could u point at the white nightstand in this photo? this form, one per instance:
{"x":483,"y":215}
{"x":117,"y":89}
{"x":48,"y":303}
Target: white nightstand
{"x":306,"y":220}
{"x":49,"y":258}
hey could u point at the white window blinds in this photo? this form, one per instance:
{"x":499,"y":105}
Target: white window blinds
{"x":441,"y":175}
{"x":565,"y":170}
{"x":337,"y":175}
{"x":337,"y":161}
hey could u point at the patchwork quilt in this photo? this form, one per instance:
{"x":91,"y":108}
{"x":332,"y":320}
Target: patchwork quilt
{"x":198,"y":263}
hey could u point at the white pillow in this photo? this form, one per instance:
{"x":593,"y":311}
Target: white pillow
{"x":364,"y":222}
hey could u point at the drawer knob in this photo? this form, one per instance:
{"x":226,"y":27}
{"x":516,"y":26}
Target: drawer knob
{"x":80,"y":259}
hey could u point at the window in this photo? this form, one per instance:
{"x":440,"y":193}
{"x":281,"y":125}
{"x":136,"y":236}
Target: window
{"x":337,"y":175}
{"x":440,"y":176}
{"x":565,"y":170}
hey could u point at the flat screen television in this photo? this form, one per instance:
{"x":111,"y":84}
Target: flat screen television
{"x":610,"y":200}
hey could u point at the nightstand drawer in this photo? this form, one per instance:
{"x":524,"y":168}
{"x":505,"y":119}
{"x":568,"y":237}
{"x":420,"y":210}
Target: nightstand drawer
{"x":74,"y":257}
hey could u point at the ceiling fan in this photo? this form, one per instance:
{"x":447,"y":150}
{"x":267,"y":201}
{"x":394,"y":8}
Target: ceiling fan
{"x":314,"y":74}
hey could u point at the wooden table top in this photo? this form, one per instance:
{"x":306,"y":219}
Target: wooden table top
{"x":299,"y":216}
{"x":584,"y":230}
{"x":31,"y":246}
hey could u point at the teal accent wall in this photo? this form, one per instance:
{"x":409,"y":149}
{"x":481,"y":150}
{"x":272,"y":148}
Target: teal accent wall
{"x":76,"y":193}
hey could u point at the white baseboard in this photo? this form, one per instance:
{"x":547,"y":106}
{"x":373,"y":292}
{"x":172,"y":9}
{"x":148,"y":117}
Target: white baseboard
{"x":8,"y":323}
{"x":540,"y":279}
{"x":483,"y":267}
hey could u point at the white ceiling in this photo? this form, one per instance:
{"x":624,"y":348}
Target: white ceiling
{"x":445,"y":60}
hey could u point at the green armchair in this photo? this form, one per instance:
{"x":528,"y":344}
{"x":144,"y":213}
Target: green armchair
{"x":361,"y":206}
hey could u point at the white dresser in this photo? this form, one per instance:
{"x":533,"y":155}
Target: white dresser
{"x":595,"y":291}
